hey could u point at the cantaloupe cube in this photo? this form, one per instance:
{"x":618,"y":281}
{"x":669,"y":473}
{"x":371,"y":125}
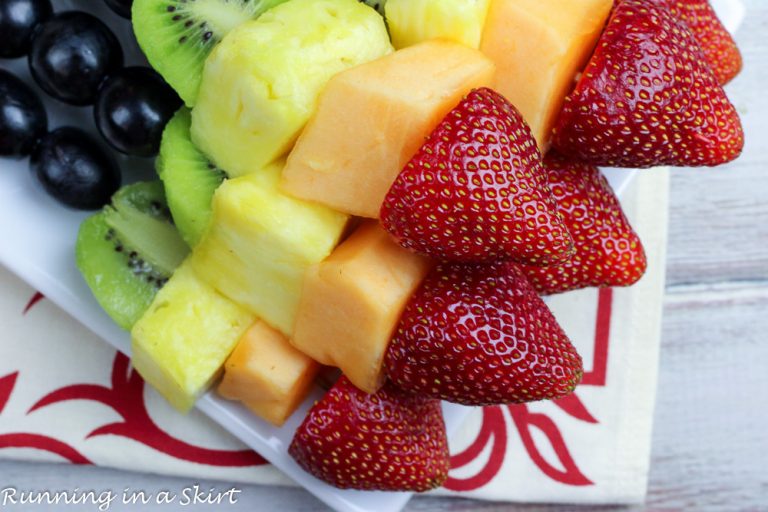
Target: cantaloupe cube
{"x":180,"y":344}
{"x":373,"y":118}
{"x":267,"y":374}
{"x":261,"y":82}
{"x":261,"y":242}
{"x":352,"y":303}
{"x":539,"y":47}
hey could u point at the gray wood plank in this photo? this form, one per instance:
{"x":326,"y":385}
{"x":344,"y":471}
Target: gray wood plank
{"x":719,"y":217}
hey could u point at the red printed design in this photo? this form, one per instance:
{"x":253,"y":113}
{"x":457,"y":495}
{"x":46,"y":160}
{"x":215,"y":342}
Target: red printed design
{"x":493,"y":430}
{"x":7,"y":384}
{"x":43,"y":443}
{"x":525,"y":421}
{"x":126,"y":397}
{"x":37,"y":297}
{"x":34,"y":441}
{"x":494,"y":426}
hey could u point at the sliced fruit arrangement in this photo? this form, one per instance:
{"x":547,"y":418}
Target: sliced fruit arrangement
{"x":608,"y":251}
{"x":371,"y":119}
{"x":261,"y":242}
{"x":388,"y":441}
{"x":177,"y":35}
{"x":128,"y":252}
{"x":181,"y":343}
{"x":716,"y":42}
{"x":538,"y":48}
{"x":666,"y":105}
{"x":268,"y":374}
{"x":351,"y":303}
{"x":476,"y":191}
{"x":260,"y":84}
{"x":415,"y":21}
{"x":480,"y":335}
{"x":189,"y":178}
{"x":392,"y":208}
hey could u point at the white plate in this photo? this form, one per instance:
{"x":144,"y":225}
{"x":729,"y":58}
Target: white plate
{"x":37,"y":239}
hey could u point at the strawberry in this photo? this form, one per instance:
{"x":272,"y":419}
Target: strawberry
{"x":608,"y":251}
{"x":389,"y":441}
{"x":475,"y":191}
{"x":480,"y":335}
{"x":648,"y":97}
{"x":715,"y":40}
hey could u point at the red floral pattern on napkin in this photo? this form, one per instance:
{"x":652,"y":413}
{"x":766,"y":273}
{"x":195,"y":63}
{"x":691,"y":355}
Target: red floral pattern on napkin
{"x":125,"y":396}
{"x":494,"y":425}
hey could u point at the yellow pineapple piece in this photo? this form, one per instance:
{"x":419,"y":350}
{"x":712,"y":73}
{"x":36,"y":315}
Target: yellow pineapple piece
{"x":352,"y":303}
{"x":180,"y":344}
{"x":539,"y":47}
{"x":261,"y":242}
{"x":414,"y":21}
{"x":260,"y":84}
{"x":267,"y":374}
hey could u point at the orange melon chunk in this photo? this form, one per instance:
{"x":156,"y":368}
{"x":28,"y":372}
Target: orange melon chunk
{"x":539,"y":48}
{"x":352,"y":302}
{"x":373,"y":118}
{"x":267,"y":374}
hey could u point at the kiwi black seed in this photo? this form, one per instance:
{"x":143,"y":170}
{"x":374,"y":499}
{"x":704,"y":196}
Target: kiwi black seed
{"x":129,"y":250}
{"x":178,"y":35}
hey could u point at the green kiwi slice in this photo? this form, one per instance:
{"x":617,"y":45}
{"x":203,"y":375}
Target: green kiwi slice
{"x":129,"y":250}
{"x":177,"y":35}
{"x":190,"y":179}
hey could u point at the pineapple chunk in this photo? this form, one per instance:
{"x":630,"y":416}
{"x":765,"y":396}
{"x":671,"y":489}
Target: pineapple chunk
{"x":182,"y":341}
{"x":414,"y":21}
{"x":267,"y":374}
{"x":260,"y":84}
{"x":261,"y":242}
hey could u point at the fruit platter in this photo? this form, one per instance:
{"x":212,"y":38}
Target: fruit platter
{"x":332,"y":225}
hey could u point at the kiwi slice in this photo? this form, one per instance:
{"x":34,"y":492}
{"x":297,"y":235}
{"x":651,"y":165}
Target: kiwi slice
{"x":190,"y":179}
{"x":376,"y":4}
{"x":177,"y":35}
{"x":129,"y":250}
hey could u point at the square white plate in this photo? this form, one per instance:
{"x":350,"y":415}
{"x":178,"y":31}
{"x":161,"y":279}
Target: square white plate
{"x":37,"y":239}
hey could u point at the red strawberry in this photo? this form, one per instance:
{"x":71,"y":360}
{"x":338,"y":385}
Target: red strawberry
{"x":648,"y":98}
{"x":480,"y":335}
{"x":608,"y":251}
{"x":389,"y":441}
{"x":475,"y":191}
{"x":715,"y":40}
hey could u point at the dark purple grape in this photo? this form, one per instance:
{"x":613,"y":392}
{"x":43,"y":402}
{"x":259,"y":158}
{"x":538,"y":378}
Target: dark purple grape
{"x":18,"y":21}
{"x":121,"y":7}
{"x":132,"y":108}
{"x":74,"y":169}
{"x":72,"y":54}
{"x":22,"y":116}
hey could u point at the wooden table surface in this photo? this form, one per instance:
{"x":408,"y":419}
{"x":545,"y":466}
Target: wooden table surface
{"x":710,"y":442}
